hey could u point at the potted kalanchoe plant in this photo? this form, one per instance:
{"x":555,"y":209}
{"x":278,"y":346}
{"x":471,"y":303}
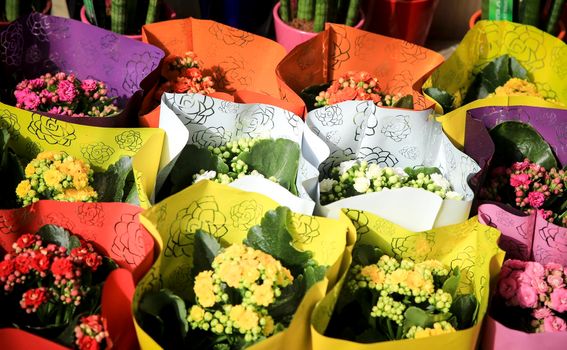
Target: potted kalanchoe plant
{"x":13,"y":9}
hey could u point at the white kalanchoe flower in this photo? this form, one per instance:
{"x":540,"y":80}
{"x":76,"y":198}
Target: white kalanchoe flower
{"x":361,"y":184}
{"x":326,"y":185}
{"x":207,"y":175}
{"x":453,"y":195}
{"x":440,"y":181}
{"x":400,"y":172}
{"x":256,"y":173}
{"x":374,"y":171}
{"x":346,"y":165}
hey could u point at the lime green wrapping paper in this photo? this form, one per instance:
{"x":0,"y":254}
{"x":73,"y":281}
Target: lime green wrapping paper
{"x":469,"y":245}
{"x":228,"y":213}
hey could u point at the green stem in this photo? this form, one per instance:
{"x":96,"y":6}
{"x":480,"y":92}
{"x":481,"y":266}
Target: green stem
{"x":285,"y":10}
{"x":321,"y":7}
{"x":12,"y":10}
{"x":118,"y":16}
{"x":305,"y":10}
{"x":352,"y":14}
{"x":529,"y":12}
{"x":151,"y":15}
{"x":554,"y":14}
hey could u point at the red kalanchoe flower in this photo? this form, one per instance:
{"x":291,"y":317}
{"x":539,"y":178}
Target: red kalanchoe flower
{"x":62,"y":268}
{"x":33,"y":299}
{"x":93,"y":260}
{"x":23,"y":263}
{"x":40,"y":262}
{"x":26,"y":240}
{"x":6,"y":268}
{"x":91,"y":332}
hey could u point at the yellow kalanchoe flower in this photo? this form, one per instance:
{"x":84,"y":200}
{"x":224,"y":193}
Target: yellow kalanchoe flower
{"x":517,"y":87}
{"x":442,"y":327}
{"x":58,"y":176}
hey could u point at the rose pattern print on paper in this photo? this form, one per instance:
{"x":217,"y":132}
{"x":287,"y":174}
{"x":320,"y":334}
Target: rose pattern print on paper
{"x":376,"y":155}
{"x":335,"y":158}
{"x":195,"y":109}
{"x":97,"y":153}
{"x":410,"y":152}
{"x":137,"y":68}
{"x":51,"y":130}
{"x":228,"y":107}
{"x":246,"y":214}
{"x":39,"y":26}
{"x":397,"y":129}
{"x":12,"y":44}
{"x":411,"y":53}
{"x":203,"y":214}
{"x":129,"y":140}
{"x":7,"y":222}
{"x":56,"y":218}
{"x":465,"y":261}
{"x":306,"y":228}
{"x":329,"y":115}
{"x":341,"y":48}
{"x":129,"y":243}
{"x":9,"y":122}
{"x":91,"y":214}
{"x":236,"y":71}
{"x":230,"y":36}
{"x":360,"y":222}
{"x":526,"y":45}
{"x":416,"y":246}
{"x":256,"y":122}
{"x":211,"y":136}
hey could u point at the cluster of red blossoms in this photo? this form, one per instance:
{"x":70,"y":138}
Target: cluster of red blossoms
{"x":184,"y":75}
{"x":46,"y":273}
{"x":355,"y":86}
{"x":90,"y":333}
{"x":534,"y":188}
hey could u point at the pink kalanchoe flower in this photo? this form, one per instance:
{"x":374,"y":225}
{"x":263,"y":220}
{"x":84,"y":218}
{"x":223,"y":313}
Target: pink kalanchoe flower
{"x":517,"y":180}
{"x":527,"y":296}
{"x":558,"y":299}
{"x":89,"y":85}
{"x":554,"y":324}
{"x":555,"y":280}
{"x":31,"y":101}
{"x":534,"y":269}
{"x":541,"y":313}
{"x":507,"y":288}
{"x":536,"y":199}
{"x":521,"y":166}
{"x":36,"y":83}
{"x":55,"y":110}
{"x":60,"y":76}
{"x":66,"y":91}
{"x":552,"y":266}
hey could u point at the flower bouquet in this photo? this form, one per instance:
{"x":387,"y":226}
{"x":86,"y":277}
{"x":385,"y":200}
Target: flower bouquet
{"x":234,"y":269}
{"x":228,"y":55}
{"x":74,"y":162}
{"x":37,"y":45}
{"x":254,"y":147}
{"x":395,"y":163}
{"x":399,"y":67}
{"x":522,"y":193}
{"x":58,"y":269}
{"x":508,"y":50}
{"x":528,"y":308}
{"x":416,"y":290}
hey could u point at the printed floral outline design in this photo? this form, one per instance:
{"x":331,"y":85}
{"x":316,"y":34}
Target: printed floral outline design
{"x":161,"y":214}
{"x":557,"y":55}
{"x":228,"y":107}
{"x":32,"y":55}
{"x":9,"y":122}
{"x":294,"y":121}
{"x":368,"y":109}
{"x":330,"y":115}
{"x":340,"y":48}
{"x":195,"y":109}
{"x":333,"y":137}
{"x":377,"y":155}
{"x":526,"y":44}
{"x":465,"y":260}
{"x":201,"y":214}
{"x":246,"y":214}
{"x":129,"y":140}
{"x":306,"y":228}
{"x":211,"y":136}
{"x":411,"y":53}
{"x":235,"y":71}
{"x":138,"y":67}
{"x":230,"y":35}
{"x":7,"y":223}
{"x":410,"y":152}
{"x":152,"y":282}
{"x":52,"y":131}
{"x":335,"y":158}
{"x":416,"y":246}
{"x":97,"y":153}
{"x":129,"y":241}
{"x":38,"y":26}
{"x":56,"y":218}
{"x":401,"y":83}
{"x":91,"y":214}
{"x":359,"y":220}
{"x":397,"y":129}
{"x":552,"y":236}
{"x":255,"y":122}
{"x":12,"y":44}
{"x":109,"y":43}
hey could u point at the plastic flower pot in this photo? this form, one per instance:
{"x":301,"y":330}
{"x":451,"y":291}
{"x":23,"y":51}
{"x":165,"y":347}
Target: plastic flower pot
{"x":476,"y":17}
{"x":46,"y":11}
{"x":169,"y":14}
{"x":289,"y":37}
{"x":409,"y":20}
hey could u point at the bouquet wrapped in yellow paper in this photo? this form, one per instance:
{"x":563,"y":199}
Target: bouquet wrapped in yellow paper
{"x":444,"y":274}
{"x":235,"y":269}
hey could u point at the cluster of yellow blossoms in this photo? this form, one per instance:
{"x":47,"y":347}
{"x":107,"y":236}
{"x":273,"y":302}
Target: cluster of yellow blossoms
{"x":517,"y":87}
{"x":55,"y":175}
{"x":416,"y":332}
{"x":258,"y":279}
{"x":401,"y":285}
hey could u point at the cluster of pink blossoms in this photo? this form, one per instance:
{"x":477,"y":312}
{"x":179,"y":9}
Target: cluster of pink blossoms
{"x":534,"y":188}
{"x":542,"y":288}
{"x":65,"y":95}
{"x":91,"y":333}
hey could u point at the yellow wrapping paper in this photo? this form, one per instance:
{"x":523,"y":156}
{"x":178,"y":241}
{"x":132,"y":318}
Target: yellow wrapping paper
{"x":32,"y":133}
{"x":542,"y":55}
{"x":469,"y":245}
{"x":228,"y":213}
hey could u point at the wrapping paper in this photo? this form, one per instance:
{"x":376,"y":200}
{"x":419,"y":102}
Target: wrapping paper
{"x":469,"y":245}
{"x":32,"y":133}
{"x":394,"y":137}
{"x":115,"y":230}
{"x":206,"y":121}
{"x":228,"y":213}
{"x":39,"y":44}
{"x":399,"y":66}
{"x":242,"y":60}
{"x":542,"y":55}
{"x":524,"y":237}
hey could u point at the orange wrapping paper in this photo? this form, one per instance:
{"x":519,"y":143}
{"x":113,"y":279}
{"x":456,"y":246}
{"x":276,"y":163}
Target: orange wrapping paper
{"x":399,"y":66}
{"x":244,"y":61}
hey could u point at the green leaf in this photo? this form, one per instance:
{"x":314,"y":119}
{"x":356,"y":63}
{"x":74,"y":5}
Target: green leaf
{"x":465,"y":309}
{"x":163,"y":315}
{"x":365,"y":254}
{"x":273,"y":237}
{"x":56,"y":235}
{"x":452,"y":283}
{"x":110,"y":184}
{"x":11,"y":172}
{"x":404,"y":102}
{"x":131,"y":194}
{"x":206,"y":248}
{"x":515,"y":141}
{"x":313,"y":273}
{"x":278,"y":158}
{"x":413,"y":171}
{"x":190,"y":161}
{"x":414,"y":316}
{"x":309,"y":93}
{"x":442,"y":97}
{"x":494,"y":74}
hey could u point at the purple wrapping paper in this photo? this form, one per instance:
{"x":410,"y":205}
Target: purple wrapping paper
{"x":37,"y":44}
{"x":524,"y":237}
